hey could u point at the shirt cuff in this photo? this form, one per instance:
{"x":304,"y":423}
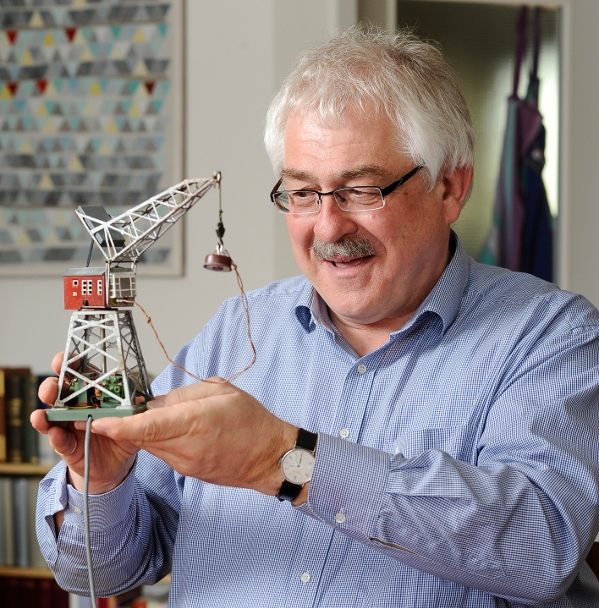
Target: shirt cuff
{"x":348,"y":485}
{"x":105,"y":510}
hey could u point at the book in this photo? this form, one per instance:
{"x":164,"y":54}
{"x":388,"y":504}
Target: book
{"x":6,"y":524}
{"x":15,"y":380}
{"x":30,"y":435}
{"x":3,"y":453}
{"x":20,"y":522}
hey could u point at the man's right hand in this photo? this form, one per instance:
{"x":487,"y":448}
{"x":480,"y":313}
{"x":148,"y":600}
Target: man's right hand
{"x":110,"y":462}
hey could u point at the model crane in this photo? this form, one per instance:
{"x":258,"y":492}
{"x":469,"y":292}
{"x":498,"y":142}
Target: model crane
{"x":103,"y":371}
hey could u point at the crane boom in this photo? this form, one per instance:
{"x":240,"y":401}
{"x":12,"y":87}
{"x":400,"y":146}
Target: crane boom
{"x":125,"y":237}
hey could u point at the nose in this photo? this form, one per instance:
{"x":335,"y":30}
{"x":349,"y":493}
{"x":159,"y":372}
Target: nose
{"x":331,"y":222}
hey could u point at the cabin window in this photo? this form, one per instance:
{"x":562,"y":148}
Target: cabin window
{"x":100,"y":287}
{"x":75,"y":282}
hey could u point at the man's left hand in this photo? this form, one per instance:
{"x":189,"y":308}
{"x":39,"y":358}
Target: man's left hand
{"x":210,"y":430}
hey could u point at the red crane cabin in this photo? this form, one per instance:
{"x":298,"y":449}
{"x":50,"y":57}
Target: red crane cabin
{"x":85,"y":287}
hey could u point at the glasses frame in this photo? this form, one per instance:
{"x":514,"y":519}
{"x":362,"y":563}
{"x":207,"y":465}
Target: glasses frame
{"x":384,"y":192}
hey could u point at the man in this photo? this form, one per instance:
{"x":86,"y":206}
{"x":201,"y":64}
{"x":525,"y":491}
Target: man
{"x":449,"y":409}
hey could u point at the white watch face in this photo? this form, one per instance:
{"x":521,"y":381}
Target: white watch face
{"x":297,"y":466}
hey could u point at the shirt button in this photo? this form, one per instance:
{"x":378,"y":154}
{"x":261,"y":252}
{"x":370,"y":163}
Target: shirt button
{"x":340,"y":517}
{"x":344,"y":433}
{"x":305,"y":577}
{"x":77,"y":510}
{"x":361,"y":369}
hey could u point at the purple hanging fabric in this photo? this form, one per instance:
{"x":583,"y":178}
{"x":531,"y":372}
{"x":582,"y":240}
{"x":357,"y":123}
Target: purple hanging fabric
{"x":520,"y":237}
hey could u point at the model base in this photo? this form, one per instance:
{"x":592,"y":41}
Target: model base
{"x":71,"y":414}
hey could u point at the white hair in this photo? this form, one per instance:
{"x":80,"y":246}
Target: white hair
{"x":373,"y":72}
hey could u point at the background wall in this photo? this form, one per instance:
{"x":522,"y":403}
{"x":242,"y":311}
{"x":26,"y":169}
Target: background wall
{"x":237,"y":53}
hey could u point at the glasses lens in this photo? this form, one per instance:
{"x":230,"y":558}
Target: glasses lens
{"x":297,"y":201}
{"x":359,"y":199}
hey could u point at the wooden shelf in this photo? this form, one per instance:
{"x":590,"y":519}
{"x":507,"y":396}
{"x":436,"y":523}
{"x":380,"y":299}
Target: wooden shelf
{"x":26,"y":572}
{"x":12,"y":468}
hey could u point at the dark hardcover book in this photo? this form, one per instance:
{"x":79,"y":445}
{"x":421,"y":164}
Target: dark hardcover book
{"x":51,"y":595}
{"x":30,"y":435}
{"x":15,"y":383}
{"x":3,"y":452}
{"x":20,"y":522}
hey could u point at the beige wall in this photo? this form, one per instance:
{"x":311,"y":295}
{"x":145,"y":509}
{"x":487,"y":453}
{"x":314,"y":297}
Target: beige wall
{"x":237,"y":54}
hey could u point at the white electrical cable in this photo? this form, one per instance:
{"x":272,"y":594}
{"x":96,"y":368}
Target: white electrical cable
{"x":88,"y":552}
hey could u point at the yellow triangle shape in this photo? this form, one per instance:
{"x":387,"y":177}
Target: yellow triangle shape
{"x":87,"y":55}
{"x":25,"y":148}
{"x":23,"y":238}
{"x":36,"y":20}
{"x":75,"y":164}
{"x":42,"y":110}
{"x":80,"y":3}
{"x":49,"y":40}
{"x":140,"y":69}
{"x":134,"y":111}
{"x":5,"y":93}
{"x":46,"y":182}
{"x":27,"y":58}
{"x":104,"y":149}
{"x":118,"y":51}
{"x":111,"y":127}
{"x":89,"y":110}
{"x":49,"y":127}
{"x":140,"y":35}
{"x":52,"y":238}
{"x":95,"y":89}
{"x":51,"y":90}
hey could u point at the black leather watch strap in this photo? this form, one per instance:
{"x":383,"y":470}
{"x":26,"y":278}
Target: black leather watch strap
{"x":289,"y":491}
{"x":306,"y":440}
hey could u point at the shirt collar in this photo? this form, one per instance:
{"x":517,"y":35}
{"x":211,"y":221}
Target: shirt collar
{"x":443,"y":300}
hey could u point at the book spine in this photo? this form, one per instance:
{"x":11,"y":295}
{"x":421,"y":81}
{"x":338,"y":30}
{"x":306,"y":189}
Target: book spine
{"x":20,"y":522}
{"x":30,"y":441}
{"x":3,"y":452}
{"x":7,"y":527}
{"x":14,"y":413}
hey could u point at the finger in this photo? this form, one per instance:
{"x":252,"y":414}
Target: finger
{"x":63,"y":442}
{"x":145,"y":428}
{"x":157,"y":402}
{"x":48,"y":390}
{"x":39,"y":421}
{"x":57,"y":362}
{"x":199,"y":390}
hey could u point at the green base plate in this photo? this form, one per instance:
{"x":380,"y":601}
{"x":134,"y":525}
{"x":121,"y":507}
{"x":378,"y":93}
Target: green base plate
{"x":69,"y":414}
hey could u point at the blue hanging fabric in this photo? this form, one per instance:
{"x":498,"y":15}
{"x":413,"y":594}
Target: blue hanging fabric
{"x":536,"y":251}
{"x":521,"y":235}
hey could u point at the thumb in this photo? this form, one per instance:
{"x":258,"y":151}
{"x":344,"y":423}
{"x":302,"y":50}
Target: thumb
{"x":106,"y":426}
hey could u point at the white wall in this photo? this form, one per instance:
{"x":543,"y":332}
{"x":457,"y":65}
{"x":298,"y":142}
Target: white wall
{"x":237,"y":54}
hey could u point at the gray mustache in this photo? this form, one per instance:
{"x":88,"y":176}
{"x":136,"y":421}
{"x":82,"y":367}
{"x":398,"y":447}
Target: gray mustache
{"x":349,"y":247}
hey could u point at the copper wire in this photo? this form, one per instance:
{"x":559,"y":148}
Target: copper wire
{"x":246,"y":309}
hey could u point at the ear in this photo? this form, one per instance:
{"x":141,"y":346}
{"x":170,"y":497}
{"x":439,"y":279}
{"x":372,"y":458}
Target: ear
{"x":456,"y":188}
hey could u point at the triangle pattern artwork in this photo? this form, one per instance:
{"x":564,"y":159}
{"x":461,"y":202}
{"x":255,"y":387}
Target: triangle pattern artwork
{"x":88,"y":92}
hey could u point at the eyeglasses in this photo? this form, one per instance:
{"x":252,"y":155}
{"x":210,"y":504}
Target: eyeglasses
{"x":356,"y":198}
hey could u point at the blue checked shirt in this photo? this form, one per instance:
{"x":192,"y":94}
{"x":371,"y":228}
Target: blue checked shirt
{"x":457,"y":465}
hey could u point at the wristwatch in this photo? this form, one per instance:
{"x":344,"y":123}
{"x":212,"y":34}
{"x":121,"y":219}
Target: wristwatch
{"x":297,"y":465}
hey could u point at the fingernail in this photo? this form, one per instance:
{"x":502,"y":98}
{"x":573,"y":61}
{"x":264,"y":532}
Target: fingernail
{"x":155,"y":403}
{"x":98,"y":427}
